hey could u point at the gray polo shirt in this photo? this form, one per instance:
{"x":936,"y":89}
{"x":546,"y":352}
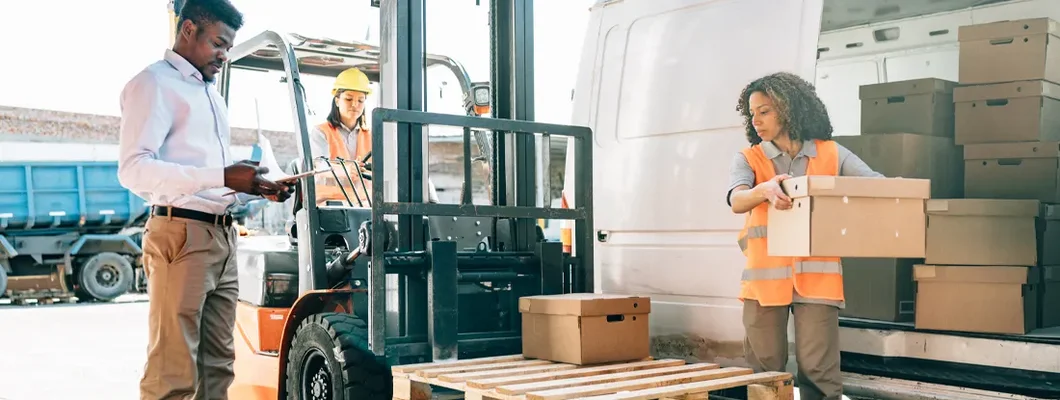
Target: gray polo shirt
{"x":740,"y":173}
{"x":318,"y":141}
{"x":849,"y":165}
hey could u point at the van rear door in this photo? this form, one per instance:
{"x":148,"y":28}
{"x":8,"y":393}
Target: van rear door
{"x":660,"y":82}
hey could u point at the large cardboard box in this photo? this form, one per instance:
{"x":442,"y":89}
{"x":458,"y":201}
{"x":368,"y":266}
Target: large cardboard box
{"x":1050,"y":297}
{"x":1025,"y":111}
{"x":908,"y":155}
{"x":879,"y":289}
{"x":1008,"y":51}
{"x":922,"y":106}
{"x":994,"y":299}
{"x":585,"y":328}
{"x":1029,"y":170}
{"x":982,"y":232}
{"x":845,"y":216}
{"x":1049,"y":233}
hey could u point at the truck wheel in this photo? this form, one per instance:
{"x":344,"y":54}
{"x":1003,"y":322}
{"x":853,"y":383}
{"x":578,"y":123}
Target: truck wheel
{"x":330,"y":360}
{"x":104,"y":277}
{"x":3,"y":281}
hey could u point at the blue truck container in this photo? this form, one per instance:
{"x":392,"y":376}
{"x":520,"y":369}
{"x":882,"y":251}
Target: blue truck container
{"x":68,"y":229}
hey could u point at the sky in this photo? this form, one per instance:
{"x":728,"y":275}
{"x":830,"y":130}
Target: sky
{"x":57,"y":57}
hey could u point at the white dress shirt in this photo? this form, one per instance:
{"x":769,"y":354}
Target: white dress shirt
{"x":175,"y":138}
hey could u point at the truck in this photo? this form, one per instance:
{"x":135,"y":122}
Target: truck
{"x":68,"y":230}
{"x":658,"y":83}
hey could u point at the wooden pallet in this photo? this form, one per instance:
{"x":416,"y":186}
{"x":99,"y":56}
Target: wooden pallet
{"x":516,"y":378}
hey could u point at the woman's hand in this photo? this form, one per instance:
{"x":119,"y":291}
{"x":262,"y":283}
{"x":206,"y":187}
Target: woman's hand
{"x":773,"y":193}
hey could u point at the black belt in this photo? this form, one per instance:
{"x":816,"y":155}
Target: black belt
{"x":164,"y":211}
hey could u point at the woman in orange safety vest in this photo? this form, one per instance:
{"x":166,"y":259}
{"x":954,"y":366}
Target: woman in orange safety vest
{"x":790,"y":135}
{"x":344,"y":135}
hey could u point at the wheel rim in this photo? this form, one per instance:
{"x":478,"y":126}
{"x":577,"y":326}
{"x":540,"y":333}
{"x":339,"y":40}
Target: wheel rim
{"x":316,"y":380}
{"x":108,"y":276}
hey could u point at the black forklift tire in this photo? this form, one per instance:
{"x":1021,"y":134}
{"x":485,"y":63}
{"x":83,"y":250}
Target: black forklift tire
{"x":330,"y":360}
{"x":113,"y":268}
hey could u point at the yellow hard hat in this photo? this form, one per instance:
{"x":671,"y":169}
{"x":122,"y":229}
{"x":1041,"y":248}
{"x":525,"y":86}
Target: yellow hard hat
{"x":352,"y":79}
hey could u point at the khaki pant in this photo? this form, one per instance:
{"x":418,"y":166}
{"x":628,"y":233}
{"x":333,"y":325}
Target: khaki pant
{"x":816,"y":345}
{"x":193,"y":287}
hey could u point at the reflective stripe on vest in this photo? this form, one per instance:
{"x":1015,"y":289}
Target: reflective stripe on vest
{"x":779,"y":281}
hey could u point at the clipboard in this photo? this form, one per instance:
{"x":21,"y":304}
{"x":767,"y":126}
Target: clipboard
{"x":294,"y":178}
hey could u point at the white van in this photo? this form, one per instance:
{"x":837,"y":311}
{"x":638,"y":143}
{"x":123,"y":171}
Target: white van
{"x":658,"y":83}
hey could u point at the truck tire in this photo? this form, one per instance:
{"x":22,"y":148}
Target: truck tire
{"x":329,"y":359}
{"x":104,"y":277}
{"x":3,"y":281}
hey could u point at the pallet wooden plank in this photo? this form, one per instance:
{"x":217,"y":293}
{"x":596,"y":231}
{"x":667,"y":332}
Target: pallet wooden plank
{"x":604,"y":378}
{"x":778,"y":390}
{"x":574,"y":373}
{"x":466,"y":376}
{"x":637,"y":384}
{"x":782,"y":379}
{"x":404,"y":369}
{"x":406,"y":389}
{"x":435,"y":372}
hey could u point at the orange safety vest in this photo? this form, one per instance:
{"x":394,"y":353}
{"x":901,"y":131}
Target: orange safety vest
{"x":772,"y":280}
{"x":337,"y":149}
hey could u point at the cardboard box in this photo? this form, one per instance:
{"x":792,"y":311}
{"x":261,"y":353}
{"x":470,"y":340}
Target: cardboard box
{"x":1026,"y":111}
{"x":995,"y":299}
{"x":1008,"y":51}
{"x":908,"y":155}
{"x":845,"y":216}
{"x":585,"y":328}
{"x":1049,"y":237}
{"x":879,"y":289}
{"x":1029,"y":170}
{"x":1049,"y":305}
{"x":982,"y":232}
{"x":921,"y":106}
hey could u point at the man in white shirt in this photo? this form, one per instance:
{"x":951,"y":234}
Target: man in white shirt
{"x":175,"y":154}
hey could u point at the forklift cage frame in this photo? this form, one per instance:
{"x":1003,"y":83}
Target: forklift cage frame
{"x":438,"y":296}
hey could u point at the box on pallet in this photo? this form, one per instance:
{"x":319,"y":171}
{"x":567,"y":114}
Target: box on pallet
{"x":982,"y":232}
{"x":1008,"y":51}
{"x":985,"y":299}
{"x":910,"y":155}
{"x":845,"y":216}
{"x":921,"y":106}
{"x":1027,"y":170}
{"x":1024,"y":111}
{"x":585,"y":328}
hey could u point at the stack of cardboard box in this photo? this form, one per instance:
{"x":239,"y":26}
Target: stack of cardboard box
{"x":907,"y":131}
{"x":988,"y":266}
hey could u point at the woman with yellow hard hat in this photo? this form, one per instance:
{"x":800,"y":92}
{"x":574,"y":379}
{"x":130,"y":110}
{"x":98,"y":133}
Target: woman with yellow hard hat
{"x":345,"y":135}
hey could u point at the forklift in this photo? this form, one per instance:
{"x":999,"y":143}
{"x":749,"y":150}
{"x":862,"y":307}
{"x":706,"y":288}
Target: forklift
{"x":358,"y":288}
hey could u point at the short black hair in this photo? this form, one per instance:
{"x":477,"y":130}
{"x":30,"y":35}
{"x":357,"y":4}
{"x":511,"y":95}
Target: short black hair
{"x":802,"y":114}
{"x":203,"y":12}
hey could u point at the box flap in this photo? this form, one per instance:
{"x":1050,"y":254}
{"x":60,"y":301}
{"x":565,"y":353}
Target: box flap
{"x":1011,"y":150}
{"x":983,"y":207}
{"x":999,"y":92}
{"x":906,"y":88}
{"x":972,"y":274}
{"x":585,"y":304}
{"x":856,"y":186}
{"x":1006,"y":29}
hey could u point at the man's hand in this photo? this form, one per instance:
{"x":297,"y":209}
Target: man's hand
{"x":773,"y":193}
{"x":246,"y":178}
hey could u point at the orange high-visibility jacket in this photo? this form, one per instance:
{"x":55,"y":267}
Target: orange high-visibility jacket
{"x":337,"y":149}
{"x":771,"y":280}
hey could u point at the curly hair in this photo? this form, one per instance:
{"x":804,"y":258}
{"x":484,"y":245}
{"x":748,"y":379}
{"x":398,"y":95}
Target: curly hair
{"x":799,"y":111}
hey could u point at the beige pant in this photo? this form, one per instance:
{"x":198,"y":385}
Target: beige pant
{"x":816,"y":345}
{"x":193,"y":288}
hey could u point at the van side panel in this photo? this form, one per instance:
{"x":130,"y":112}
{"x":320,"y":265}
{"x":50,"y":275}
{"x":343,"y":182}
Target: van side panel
{"x":662,"y":104}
